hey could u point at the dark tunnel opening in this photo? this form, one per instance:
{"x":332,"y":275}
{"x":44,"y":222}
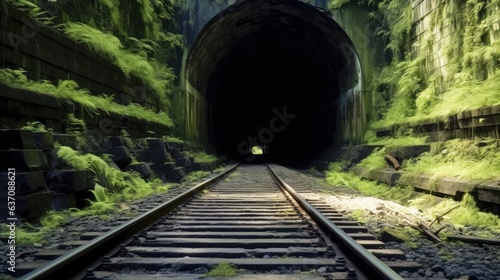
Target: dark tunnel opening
{"x":272,"y":74}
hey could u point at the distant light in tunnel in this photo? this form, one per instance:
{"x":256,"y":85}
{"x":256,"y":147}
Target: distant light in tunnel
{"x":257,"y":150}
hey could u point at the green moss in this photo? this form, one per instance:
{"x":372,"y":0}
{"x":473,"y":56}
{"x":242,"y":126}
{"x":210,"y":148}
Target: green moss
{"x":375,"y":160}
{"x":466,"y":215}
{"x":358,"y":215}
{"x":196,"y":175}
{"x":154,"y":75}
{"x":407,"y":90}
{"x":36,"y":126}
{"x":224,"y":269}
{"x":367,"y":187}
{"x":400,"y":234}
{"x":393,"y":142}
{"x":53,"y":219}
{"x":445,"y":255}
{"x":128,"y":184}
{"x":337,"y":4}
{"x":475,"y":160}
{"x":33,"y":10}
{"x":69,"y":90}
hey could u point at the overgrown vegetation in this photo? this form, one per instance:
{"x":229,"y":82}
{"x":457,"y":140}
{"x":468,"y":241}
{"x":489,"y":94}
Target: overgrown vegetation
{"x":375,"y":160}
{"x":111,"y":190}
{"x":335,"y":176}
{"x":69,"y":90}
{"x":467,"y":214}
{"x":141,"y":38}
{"x":223,"y":269}
{"x":129,"y":185}
{"x":36,"y":126}
{"x":197,"y":152}
{"x":408,"y":90}
{"x":156,"y":77}
{"x":474,"y":160}
{"x":196,"y":175}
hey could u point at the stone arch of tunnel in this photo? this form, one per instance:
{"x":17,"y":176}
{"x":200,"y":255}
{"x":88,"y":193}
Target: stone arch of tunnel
{"x":277,"y":73}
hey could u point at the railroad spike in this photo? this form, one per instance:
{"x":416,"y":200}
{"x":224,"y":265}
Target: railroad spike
{"x":340,"y":264}
{"x":89,"y":275}
{"x":122,"y":252}
{"x":351,"y":275}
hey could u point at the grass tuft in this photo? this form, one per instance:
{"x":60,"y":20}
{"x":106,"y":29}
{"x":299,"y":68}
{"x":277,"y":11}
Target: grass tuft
{"x":224,"y":269}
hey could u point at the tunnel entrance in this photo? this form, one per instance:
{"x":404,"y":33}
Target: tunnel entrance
{"x":274,"y":73}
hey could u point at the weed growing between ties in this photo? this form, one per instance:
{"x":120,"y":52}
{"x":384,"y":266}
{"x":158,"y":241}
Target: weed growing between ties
{"x":223,"y":269}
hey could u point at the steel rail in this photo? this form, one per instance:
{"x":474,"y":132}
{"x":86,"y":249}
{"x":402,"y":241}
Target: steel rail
{"x":374,"y":267}
{"x":79,"y":258}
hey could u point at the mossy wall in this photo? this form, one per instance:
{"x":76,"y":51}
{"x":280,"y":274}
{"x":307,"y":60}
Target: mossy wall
{"x":435,"y":58}
{"x":124,"y":52}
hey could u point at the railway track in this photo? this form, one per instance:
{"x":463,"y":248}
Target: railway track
{"x":252,"y":220}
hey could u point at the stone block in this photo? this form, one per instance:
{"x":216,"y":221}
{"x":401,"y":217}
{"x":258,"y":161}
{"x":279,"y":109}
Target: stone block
{"x":453,"y":186}
{"x":167,"y":172}
{"x":68,"y":181}
{"x":43,"y":140}
{"x":196,"y":166}
{"x":155,"y":152}
{"x":187,"y":168}
{"x":23,"y":160}
{"x":115,"y":141}
{"x":173,"y":150}
{"x":61,"y":201}
{"x":120,"y":155}
{"x":389,"y":177}
{"x":83,"y":198}
{"x":34,"y":205}
{"x":181,"y":162}
{"x":175,"y":153}
{"x":66,"y":140}
{"x":26,"y":182}
{"x":446,"y":186}
{"x":155,"y":144}
{"x":142,"y":168}
{"x":16,"y":139}
{"x":489,"y":194}
{"x":407,"y":152}
{"x":60,"y":188}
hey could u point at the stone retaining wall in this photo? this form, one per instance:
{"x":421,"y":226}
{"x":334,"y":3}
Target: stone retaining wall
{"x":47,"y":54}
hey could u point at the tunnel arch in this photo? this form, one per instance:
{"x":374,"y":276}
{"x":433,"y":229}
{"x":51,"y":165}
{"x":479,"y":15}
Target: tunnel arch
{"x":279,"y":73}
